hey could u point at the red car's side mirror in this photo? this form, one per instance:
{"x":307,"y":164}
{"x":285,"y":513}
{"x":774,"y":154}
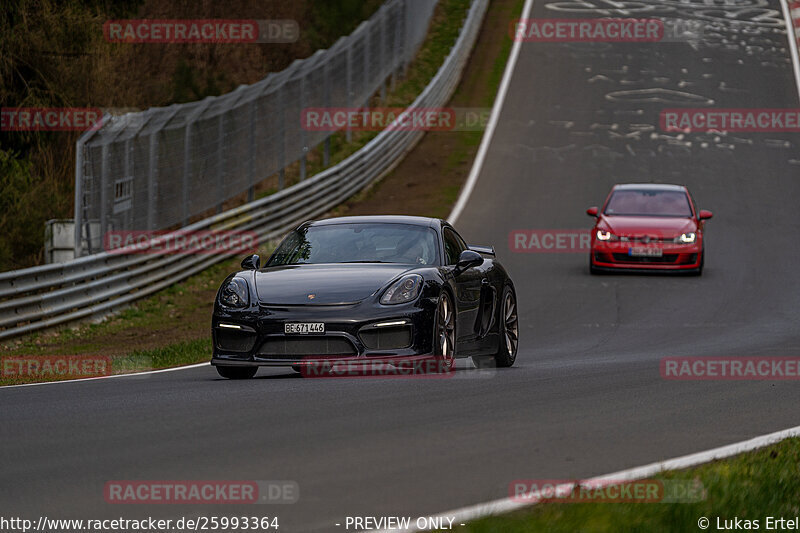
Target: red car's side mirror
{"x":592,"y":211}
{"x":705,"y":214}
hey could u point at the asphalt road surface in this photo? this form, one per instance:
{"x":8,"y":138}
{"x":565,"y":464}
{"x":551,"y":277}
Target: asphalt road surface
{"x":586,"y":396}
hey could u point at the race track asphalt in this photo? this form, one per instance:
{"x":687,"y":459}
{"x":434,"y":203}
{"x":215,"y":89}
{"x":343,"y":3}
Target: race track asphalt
{"x":586,"y":396}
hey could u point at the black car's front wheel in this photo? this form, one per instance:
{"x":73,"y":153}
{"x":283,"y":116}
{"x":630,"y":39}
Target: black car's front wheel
{"x":445,"y":334}
{"x":237,"y":372}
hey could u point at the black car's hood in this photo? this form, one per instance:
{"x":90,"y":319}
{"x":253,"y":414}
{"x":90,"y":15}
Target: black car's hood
{"x":323,"y":284}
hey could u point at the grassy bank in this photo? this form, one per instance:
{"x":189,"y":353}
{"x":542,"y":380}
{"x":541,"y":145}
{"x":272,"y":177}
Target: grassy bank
{"x":752,"y":486}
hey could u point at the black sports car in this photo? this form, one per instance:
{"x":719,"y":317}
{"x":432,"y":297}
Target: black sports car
{"x":355,"y":290}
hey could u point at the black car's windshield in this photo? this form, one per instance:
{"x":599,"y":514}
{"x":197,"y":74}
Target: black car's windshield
{"x":649,"y":203}
{"x":358,"y":243}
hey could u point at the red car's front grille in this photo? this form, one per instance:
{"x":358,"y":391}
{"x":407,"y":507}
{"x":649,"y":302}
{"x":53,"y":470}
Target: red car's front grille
{"x":664,"y":259}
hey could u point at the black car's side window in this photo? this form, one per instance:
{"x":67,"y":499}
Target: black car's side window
{"x":453,"y":246}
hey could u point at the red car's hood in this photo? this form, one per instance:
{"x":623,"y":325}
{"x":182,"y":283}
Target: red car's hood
{"x":662,"y":227}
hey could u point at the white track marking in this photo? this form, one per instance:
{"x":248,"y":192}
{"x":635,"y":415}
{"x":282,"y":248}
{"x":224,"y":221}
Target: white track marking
{"x":505,"y":505}
{"x":187,"y":367}
{"x":493,"y":119}
{"x":793,"y":38}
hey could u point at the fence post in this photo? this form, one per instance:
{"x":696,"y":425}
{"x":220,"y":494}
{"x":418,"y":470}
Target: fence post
{"x":383,"y":33}
{"x":79,"y":172}
{"x":128,"y":179}
{"x":152,"y":179}
{"x":404,"y":58}
{"x":220,"y":161}
{"x":326,"y":158}
{"x":282,"y":137}
{"x":251,"y":164}
{"x":367,"y":48}
{"x":103,"y":190}
{"x":397,"y":59}
{"x":187,"y":168}
{"x":349,"y":69}
{"x":303,"y":132}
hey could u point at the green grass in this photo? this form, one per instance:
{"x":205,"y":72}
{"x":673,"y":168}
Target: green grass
{"x":750,"y":486}
{"x":178,"y":354}
{"x":170,"y":355}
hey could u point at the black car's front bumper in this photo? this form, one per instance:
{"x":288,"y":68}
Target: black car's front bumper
{"x":355,"y":334}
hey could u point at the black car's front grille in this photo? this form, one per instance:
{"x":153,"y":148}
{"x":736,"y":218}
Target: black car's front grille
{"x":386,"y":338}
{"x":234,"y":340}
{"x":291,"y":347}
{"x":625,"y":258}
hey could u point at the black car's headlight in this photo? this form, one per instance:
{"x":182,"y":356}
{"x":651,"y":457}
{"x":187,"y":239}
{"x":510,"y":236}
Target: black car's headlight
{"x":235,"y":293}
{"x":406,"y":289}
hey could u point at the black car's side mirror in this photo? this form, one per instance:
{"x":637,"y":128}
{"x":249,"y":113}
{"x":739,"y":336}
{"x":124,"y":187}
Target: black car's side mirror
{"x":251,"y":262}
{"x":468,"y":259}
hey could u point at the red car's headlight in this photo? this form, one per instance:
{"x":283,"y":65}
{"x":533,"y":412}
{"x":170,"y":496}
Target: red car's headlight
{"x":606,"y":236}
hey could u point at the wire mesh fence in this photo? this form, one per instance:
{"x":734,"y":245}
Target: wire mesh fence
{"x":159,"y":168}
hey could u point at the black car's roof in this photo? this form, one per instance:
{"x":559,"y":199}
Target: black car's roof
{"x":377,"y":219}
{"x":649,"y":187}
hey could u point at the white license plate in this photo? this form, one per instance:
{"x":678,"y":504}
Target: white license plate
{"x":304,"y":328}
{"x":641,"y":251}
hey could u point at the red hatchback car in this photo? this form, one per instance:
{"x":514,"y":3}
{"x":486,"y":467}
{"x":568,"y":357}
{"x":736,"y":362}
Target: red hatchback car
{"x":647,"y":226}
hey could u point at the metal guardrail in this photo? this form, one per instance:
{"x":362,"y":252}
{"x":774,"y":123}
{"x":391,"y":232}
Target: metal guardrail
{"x":93,"y":286}
{"x":163,"y":167}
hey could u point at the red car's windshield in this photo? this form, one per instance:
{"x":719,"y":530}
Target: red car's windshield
{"x":649,"y":203}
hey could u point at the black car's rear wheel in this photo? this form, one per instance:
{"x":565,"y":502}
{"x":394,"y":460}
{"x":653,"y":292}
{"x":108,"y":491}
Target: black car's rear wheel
{"x":508,"y":328}
{"x":237,"y":372}
{"x":445,"y":334}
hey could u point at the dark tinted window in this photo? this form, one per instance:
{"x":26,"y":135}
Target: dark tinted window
{"x":649,"y":203}
{"x":358,"y":243}
{"x":453,"y":246}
